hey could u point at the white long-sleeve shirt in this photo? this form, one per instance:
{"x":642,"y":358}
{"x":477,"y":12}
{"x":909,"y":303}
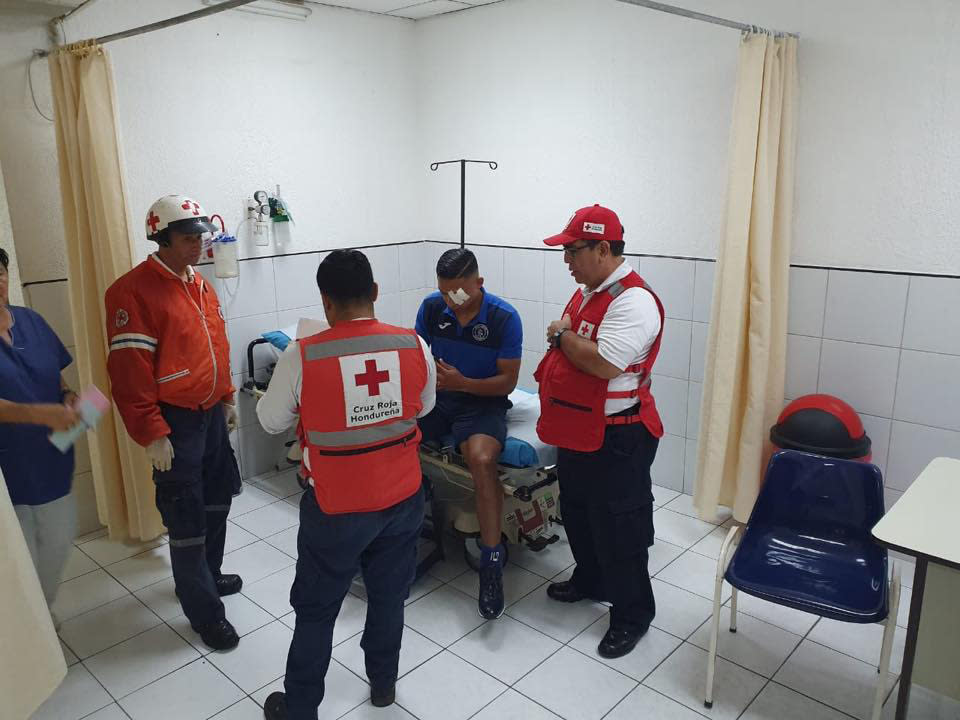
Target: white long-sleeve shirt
{"x":277,"y":409}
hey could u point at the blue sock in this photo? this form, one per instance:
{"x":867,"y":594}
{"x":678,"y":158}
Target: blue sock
{"x":491,"y":555}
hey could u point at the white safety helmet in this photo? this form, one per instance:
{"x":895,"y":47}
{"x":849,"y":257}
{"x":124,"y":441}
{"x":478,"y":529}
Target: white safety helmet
{"x":178,"y":213}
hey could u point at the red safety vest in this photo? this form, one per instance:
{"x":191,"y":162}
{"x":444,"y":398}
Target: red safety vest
{"x":359,"y":402}
{"x":571,"y":401}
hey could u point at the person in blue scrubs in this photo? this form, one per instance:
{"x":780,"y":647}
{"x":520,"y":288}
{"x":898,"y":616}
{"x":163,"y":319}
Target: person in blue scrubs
{"x":477,"y":341}
{"x":35,"y":399}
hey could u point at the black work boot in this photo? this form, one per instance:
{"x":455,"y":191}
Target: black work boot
{"x":219,"y":635}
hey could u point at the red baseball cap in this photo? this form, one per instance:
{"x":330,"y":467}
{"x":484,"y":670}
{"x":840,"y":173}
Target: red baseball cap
{"x":590,"y":223}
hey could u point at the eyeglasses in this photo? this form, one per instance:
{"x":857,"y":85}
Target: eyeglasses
{"x":570,"y":251}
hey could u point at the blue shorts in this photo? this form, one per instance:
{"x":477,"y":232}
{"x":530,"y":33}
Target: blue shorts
{"x":463,"y":415}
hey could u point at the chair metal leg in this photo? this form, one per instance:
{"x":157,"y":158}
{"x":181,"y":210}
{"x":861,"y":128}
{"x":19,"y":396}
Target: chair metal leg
{"x":733,"y":611}
{"x":722,"y":563}
{"x":889,"y":630}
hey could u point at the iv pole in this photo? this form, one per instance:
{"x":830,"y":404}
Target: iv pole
{"x":463,"y":185}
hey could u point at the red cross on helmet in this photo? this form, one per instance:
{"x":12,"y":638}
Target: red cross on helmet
{"x":178,"y":213}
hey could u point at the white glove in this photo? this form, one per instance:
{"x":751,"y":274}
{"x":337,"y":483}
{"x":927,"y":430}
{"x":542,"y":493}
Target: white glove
{"x":230,"y":415}
{"x":160,"y":452}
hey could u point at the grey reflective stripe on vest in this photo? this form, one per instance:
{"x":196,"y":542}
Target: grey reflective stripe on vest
{"x":615,"y":289}
{"x":362,"y":436}
{"x":188,"y":542}
{"x":362,"y":344}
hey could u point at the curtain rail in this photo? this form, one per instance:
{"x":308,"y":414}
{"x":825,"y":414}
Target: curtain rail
{"x":693,"y":15}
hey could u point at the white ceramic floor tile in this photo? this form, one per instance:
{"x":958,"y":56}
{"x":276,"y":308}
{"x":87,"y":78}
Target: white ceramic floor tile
{"x":269,"y":520}
{"x":245,"y":616}
{"x":110,"y":712}
{"x":517,"y":583}
{"x":68,"y":655}
{"x":286,"y":541}
{"x":415,"y":650}
{"x":682,"y":677}
{"x":576,"y":686}
{"x":344,"y":691}
{"x":86,"y":593}
{"x":712,"y":544}
{"x":661,"y":554}
{"x":683,"y":504}
{"x":260,"y":658}
{"x":143,"y":570}
{"x":651,"y":705}
{"x":161,"y":598}
{"x":513,"y":706}
{"x":237,"y":538}
{"x":107,"y":626}
{"x":796,"y":621}
{"x":77,"y":696}
{"x":756,"y":645}
{"x":907,"y":569}
{"x":78,"y":564}
{"x":273,"y":592}
{"x":695,"y":573}
{"x":446,"y":688}
{"x":444,"y":616}
{"x":93,"y":535}
{"x":863,"y":642}
{"x":198,"y":691}
{"x":779,"y":703}
{"x":505,"y":648}
{"x":548,"y":562}
{"x":662,"y":495}
{"x":246,"y":709}
{"x":249,"y":500}
{"x":424,"y":586}
{"x":255,"y":562}
{"x":679,"y":529}
{"x":679,"y":612}
{"x":653,"y":648}
{"x":141,"y":660}
{"x":450,"y":568}
{"x":281,"y":485}
{"x":834,"y":679}
{"x":561,"y":621}
{"x":368,"y":712}
{"x":105,"y":551}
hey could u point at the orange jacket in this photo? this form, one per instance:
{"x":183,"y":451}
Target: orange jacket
{"x":168,"y":344}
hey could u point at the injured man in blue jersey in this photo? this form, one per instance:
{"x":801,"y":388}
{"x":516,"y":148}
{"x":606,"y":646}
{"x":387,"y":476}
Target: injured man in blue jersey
{"x":476,"y":339}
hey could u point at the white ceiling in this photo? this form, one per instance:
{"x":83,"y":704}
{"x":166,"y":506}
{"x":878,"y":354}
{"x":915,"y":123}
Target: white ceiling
{"x":413,"y":9}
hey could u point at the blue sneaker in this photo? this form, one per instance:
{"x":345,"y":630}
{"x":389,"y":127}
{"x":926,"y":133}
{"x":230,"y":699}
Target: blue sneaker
{"x":490,"y":602}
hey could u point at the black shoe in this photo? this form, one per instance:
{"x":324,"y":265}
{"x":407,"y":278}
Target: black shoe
{"x":617,"y":643}
{"x":220,"y":635}
{"x":382,"y":697}
{"x":275,"y":708}
{"x":567,"y":592}
{"x":228,"y":585}
{"x":490,"y":602}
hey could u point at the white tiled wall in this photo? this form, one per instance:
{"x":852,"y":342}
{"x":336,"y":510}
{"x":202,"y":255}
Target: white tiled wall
{"x":888,"y":344}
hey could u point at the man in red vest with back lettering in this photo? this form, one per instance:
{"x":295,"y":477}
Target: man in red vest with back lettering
{"x":596,"y":407}
{"x":358,"y":388}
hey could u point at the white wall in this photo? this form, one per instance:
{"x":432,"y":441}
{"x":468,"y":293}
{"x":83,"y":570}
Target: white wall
{"x":224,"y":106}
{"x":596,"y":101}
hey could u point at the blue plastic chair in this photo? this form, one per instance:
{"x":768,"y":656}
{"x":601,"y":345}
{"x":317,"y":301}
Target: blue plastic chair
{"x":808,"y":546}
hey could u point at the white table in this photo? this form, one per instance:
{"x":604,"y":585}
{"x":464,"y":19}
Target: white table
{"x":923,"y":524}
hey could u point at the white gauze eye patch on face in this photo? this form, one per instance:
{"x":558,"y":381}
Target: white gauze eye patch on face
{"x":459,"y":297}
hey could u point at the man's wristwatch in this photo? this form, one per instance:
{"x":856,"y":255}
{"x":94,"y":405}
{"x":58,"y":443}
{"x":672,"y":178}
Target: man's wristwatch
{"x":556,"y":337}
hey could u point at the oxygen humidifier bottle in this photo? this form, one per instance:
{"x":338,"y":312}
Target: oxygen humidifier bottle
{"x":225,"y":263}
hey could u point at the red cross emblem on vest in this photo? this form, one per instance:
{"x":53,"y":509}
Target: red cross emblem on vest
{"x":153,"y":221}
{"x":372,"y":378}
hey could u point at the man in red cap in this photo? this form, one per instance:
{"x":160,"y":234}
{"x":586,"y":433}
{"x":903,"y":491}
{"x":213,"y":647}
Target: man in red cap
{"x":596,"y":407}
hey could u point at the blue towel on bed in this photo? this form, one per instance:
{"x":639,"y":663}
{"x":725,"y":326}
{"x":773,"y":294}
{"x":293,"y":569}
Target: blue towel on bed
{"x":516,"y":453}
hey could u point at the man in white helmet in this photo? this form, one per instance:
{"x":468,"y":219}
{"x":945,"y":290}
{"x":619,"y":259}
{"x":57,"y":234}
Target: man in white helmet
{"x":169,"y":366}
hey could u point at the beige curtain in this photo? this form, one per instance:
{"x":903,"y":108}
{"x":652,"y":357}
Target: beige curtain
{"x":99,"y":250}
{"x":745,"y":365}
{"x":31,"y":661}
